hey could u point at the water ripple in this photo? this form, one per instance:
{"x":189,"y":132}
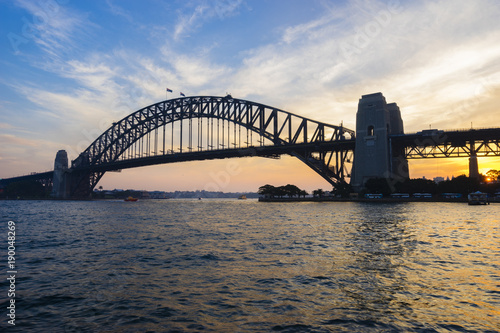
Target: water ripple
{"x":238,"y":266}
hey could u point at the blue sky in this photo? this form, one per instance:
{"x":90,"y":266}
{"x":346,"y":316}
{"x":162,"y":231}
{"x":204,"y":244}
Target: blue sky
{"x":69,"y":68}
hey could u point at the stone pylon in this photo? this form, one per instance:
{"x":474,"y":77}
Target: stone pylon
{"x":374,"y":157}
{"x":59,"y":181}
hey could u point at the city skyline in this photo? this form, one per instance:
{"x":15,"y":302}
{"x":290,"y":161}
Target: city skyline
{"x":70,"y":69}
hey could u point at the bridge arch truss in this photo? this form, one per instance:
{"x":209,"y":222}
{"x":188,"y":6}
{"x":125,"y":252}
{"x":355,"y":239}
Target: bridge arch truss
{"x":208,"y":127}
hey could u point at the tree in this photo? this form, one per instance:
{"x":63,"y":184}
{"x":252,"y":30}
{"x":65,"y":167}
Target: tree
{"x":417,"y":185}
{"x":378,"y":185}
{"x":461,"y":184}
{"x":494,"y":175}
{"x":280,"y":191}
{"x":291,"y":190}
{"x":343,"y":189}
{"x":318,"y":193}
{"x":267,"y":190}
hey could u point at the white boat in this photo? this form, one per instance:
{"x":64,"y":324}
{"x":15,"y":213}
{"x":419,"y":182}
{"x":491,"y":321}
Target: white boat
{"x":478,"y":198}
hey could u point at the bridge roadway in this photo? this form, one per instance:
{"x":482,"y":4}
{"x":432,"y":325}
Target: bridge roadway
{"x":450,"y":143}
{"x":35,"y":176}
{"x":297,"y":150}
{"x":262,"y":151}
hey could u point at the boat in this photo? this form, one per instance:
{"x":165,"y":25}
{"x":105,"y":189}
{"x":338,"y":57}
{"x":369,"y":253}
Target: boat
{"x":131,"y":199}
{"x":373,"y":196}
{"x":478,"y":198}
{"x":242,"y":197}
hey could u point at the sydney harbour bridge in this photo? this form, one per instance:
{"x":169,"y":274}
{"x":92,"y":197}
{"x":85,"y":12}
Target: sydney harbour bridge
{"x":209,"y":127}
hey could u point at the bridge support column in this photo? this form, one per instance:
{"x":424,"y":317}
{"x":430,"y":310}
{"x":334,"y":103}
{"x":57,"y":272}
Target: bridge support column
{"x":473,"y":165}
{"x":374,"y":157}
{"x":60,"y":183}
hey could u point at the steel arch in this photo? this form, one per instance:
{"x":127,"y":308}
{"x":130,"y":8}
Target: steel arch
{"x":279,"y":127}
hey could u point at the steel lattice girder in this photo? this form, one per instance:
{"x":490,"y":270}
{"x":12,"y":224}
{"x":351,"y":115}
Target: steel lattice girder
{"x":443,"y":144}
{"x":279,"y":127}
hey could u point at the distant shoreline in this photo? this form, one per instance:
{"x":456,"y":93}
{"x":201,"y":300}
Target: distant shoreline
{"x":380,"y":200}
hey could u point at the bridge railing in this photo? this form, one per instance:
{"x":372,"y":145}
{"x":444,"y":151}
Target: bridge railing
{"x":455,"y":130}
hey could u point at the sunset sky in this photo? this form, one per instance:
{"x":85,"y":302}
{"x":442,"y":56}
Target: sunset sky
{"x":69,"y":68}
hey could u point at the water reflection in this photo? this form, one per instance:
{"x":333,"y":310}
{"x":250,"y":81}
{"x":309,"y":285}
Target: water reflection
{"x":226,"y":266}
{"x":372,"y":280}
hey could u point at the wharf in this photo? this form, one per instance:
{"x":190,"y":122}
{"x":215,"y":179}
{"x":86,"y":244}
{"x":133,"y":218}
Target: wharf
{"x":381,"y":200}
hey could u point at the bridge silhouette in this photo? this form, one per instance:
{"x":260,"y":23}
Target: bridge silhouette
{"x":210,"y":127}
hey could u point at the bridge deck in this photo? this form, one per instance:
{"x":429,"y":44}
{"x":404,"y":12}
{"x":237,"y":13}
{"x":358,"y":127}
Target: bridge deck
{"x":451,"y":143}
{"x":263,"y":151}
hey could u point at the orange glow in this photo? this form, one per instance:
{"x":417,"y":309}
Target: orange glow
{"x":248,"y":174}
{"x":449,"y":167}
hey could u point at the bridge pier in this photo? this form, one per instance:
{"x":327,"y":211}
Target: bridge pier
{"x":473,"y":165}
{"x":60,"y":183}
{"x":374,"y":156}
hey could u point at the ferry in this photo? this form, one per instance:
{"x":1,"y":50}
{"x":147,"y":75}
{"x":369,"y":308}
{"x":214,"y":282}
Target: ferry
{"x":373,"y":196}
{"x":422,"y":195}
{"x":400,"y":195}
{"x":131,"y":199}
{"x":242,"y":197}
{"x":478,"y":198}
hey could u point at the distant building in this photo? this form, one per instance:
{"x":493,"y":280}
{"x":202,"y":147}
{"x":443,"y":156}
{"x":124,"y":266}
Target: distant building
{"x":158,"y":195}
{"x":438,"y":179}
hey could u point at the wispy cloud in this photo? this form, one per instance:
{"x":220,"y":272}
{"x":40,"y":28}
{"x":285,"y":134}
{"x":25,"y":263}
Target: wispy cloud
{"x":6,"y":126}
{"x":9,"y":139}
{"x":198,"y":13}
{"x":436,"y":59}
{"x":424,"y":62}
{"x":119,"y":11}
{"x":53,"y":26}
{"x":316,"y":67}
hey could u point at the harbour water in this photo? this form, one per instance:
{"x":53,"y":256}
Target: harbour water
{"x":242,"y":266}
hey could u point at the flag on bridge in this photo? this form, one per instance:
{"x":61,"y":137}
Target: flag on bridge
{"x":182,"y":94}
{"x":169,"y":90}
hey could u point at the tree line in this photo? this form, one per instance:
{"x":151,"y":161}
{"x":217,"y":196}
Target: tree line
{"x":488,"y":183}
{"x":281,"y":191}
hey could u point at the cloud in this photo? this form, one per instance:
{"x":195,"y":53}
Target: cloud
{"x":204,"y":11}
{"x":426,"y":62}
{"x":52,"y":26}
{"x":119,"y":11}
{"x":9,"y":139}
{"x":197,"y":72}
{"x":6,"y":126}
{"x":436,"y":59}
{"x":317,"y":69}
{"x":314,"y":66}
{"x":21,"y":155}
